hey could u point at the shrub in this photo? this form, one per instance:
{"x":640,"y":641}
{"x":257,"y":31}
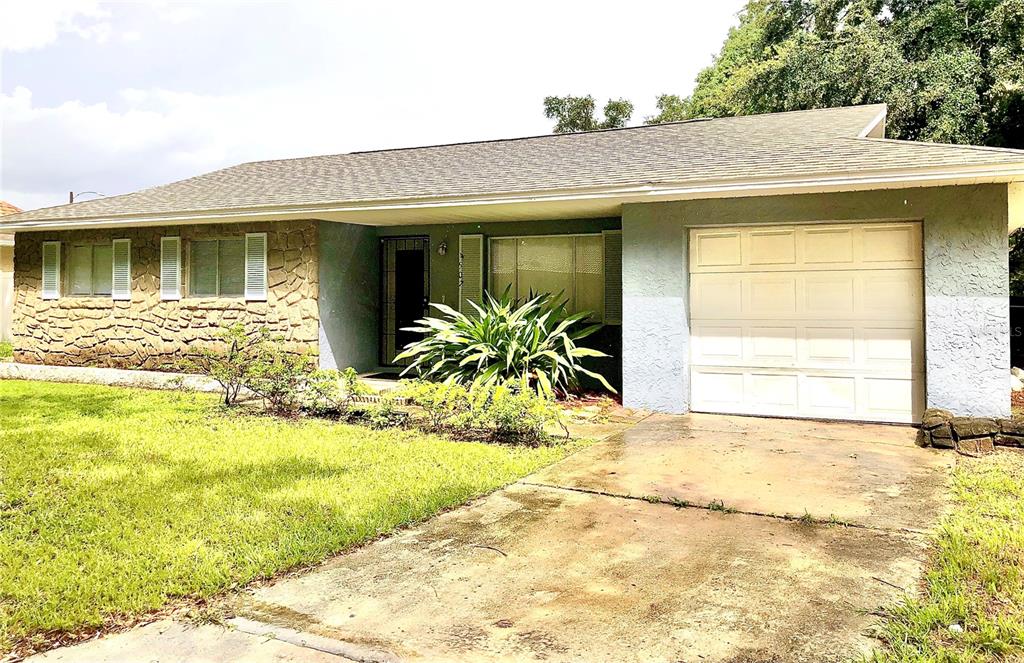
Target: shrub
{"x":533,"y":342}
{"x":286,"y":381}
{"x":504,"y":411}
{"x":231,"y":363}
{"x":6,"y":350}
{"x":383,"y":413}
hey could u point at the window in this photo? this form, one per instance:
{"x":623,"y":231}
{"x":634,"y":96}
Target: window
{"x":569,"y":265}
{"x":91,"y":269}
{"x":217,"y":268}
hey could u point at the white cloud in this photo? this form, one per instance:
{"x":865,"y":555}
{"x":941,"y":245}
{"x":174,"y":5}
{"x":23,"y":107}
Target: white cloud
{"x":38,"y":24}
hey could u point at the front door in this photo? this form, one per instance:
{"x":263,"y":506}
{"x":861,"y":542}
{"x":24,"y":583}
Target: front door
{"x":405,"y":292}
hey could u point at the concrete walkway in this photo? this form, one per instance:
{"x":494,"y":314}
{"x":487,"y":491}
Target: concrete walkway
{"x":655,"y":545}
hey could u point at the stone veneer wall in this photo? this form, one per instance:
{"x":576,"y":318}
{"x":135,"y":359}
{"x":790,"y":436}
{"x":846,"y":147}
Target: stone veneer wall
{"x":147,"y":332}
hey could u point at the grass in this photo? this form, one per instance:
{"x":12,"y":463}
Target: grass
{"x":6,"y":350}
{"x":972,"y":608}
{"x":115,"y":502}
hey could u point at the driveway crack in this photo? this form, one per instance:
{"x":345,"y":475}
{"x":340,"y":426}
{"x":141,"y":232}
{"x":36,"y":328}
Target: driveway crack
{"x":721,"y":507}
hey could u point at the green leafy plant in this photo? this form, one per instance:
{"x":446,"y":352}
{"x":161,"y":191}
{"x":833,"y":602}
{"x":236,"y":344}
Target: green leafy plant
{"x":6,"y":350}
{"x":534,"y":341}
{"x":232,"y":360}
{"x":505,"y":411}
{"x":381,"y":414}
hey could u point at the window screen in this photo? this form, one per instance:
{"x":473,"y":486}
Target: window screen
{"x":569,"y":266}
{"x":217,"y":268}
{"x":90,"y":269}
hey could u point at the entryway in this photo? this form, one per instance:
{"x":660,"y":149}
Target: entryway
{"x":404,"y":291}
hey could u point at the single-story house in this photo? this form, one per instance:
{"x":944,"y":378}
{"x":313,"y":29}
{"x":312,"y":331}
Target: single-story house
{"x":795,"y":264}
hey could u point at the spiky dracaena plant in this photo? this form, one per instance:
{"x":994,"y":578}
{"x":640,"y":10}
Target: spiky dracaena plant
{"x":533,"y":342}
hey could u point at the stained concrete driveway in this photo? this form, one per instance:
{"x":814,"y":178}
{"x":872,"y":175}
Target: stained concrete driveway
{"x":664,"y":543}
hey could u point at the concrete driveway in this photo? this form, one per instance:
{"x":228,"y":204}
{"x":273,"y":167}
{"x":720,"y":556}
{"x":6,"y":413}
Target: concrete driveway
{"x":664,"y":543}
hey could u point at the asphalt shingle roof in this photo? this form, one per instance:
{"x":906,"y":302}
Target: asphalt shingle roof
{"x":803,"y":143}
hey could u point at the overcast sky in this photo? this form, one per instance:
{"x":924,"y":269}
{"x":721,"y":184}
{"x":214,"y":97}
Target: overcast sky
{"x":114,"y":97}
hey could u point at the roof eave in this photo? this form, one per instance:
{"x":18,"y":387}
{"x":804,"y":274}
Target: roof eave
{"x":593,"y":201}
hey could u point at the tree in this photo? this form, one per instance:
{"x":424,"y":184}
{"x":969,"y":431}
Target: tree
{"x":950,"y":70}
{"x":572,"y":114}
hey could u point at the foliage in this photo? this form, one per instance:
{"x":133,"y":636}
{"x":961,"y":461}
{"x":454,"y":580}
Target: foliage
{"x":532,"y":342}
{"x":501,"y":411}
{"x":950,"y":70}
{"x":231,"y":362}
{"x":283,"y":380}
{"x":380,"y":414}
{"x":6,"y":350}
{"x":286,"y":381}
{"x":1017,"y":263}
{"x":572,"y":114}
{"x":116,"y":501}
{"x":975,"y":578}
{"x":352,"y":385}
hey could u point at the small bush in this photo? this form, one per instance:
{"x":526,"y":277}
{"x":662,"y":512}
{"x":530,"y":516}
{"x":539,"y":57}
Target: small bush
{"x":507,"y":411}
{"x":381,"y":414}
{"x":6,"y":350}
{"x":233,"y":361}
{"x":286,"y":381}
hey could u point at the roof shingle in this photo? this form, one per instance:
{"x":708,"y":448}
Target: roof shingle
{"x":801,"y":143}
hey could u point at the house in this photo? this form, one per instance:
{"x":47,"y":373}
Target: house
{"x":6,"y":274}
{"x":795,"y":264}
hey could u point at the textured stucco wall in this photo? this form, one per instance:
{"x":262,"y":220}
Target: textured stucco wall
{"x":966,"y":284}
{"x":966,"y":309}
{"x":147,"y":332}
{"x":349,"y":296}
{"x":655,"y":317}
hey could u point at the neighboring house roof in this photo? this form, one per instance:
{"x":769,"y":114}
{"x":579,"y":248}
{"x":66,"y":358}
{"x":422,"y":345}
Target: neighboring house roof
{"x":5,"y":209}
{"x":697,"y":158}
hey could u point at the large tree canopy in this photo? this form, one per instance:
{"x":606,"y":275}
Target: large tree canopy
{"x":950,"y":70}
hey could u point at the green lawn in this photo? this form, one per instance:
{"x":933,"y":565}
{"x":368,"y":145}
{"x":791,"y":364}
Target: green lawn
{"x":115,"y":501}
{"x":976,"y":575}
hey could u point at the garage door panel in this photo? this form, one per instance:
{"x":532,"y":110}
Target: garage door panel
{"x":828,"y":246}
{"x":772,"y":247}
{"x":894,"y":245}
{"x":812,"y":321}
{"x":897,"y":245}
{"x":717,"y":249}
{"x":771,"y":296}
{"x":829,"y":294}
{"x":875,"y":345}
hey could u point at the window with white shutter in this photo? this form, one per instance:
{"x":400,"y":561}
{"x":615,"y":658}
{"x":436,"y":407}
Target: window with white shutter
{"x":170,"y":268}
{"x":121,"y":280}
{"x":51,"y":270}
{"x":471,"y":271}
{"x":256,"y":266}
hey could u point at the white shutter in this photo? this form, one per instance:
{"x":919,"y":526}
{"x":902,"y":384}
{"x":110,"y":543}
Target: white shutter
{"x":471,"y":271}
{"x":170,"y":268}
{"x":121,"y":283}
{"x":612,"y":277}
{"x":256,"y":266}
{"x":51,"y":270}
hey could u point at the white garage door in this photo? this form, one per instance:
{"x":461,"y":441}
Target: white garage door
{"x":820,"y":321}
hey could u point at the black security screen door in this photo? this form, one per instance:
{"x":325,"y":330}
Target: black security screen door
{"x":405,"y":292}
